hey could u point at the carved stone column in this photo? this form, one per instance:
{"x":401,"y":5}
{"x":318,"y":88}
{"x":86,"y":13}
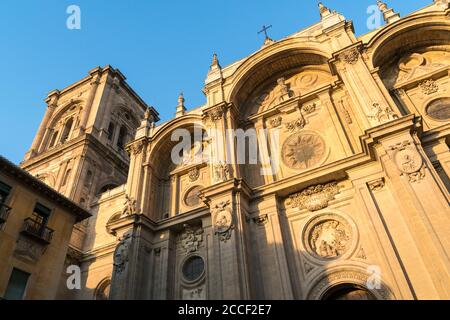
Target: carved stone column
{"x":95,"y":80}
{"x":424,"y":220}
{"x":52,"y":102}
{"x":222,"y":161}
{"x":135,"y":182}
{"x":230,"y":267}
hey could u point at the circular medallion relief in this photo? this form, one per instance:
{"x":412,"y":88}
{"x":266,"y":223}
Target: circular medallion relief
{"x":193,"y":268}
{"x":439,"y":109}
{"x":328,"y":237}
{"x":191,"y":198}
{"x":408,"y":161}
{"x":223,"y":221}
{"x":303,"y":150}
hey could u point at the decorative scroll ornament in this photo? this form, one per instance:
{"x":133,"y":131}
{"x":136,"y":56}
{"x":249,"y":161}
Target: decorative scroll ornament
{"x":276,"y":122}
{"x":130,"y":206}
{"x":350,"y":56}
{"x":381,"y":114}
{"x":310,"y":108}
{"x":314,"y":198}
{"x":137,"y":147}
{"x":221,"y":172}
{"x":215,"y":114}
{"x":296,"y":125}
{"x":121,"y":254}
{"x":194,"y":174}
{"x":191,"y":238}
{"x":409,"y":161}
{"x":223,"y":220}
{"x":429,"y":87}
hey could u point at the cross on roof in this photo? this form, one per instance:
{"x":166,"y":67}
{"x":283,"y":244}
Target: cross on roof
{"x":264,"y":29}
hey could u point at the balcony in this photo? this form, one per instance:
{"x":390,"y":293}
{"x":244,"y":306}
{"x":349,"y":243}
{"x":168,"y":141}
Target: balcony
{"x":37,"y":231}
{"x":4,"y":213}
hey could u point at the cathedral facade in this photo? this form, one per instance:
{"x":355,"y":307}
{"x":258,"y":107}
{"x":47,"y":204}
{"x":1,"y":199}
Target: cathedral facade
{"x":346,"y":198}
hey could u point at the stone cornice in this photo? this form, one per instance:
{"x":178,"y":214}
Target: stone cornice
{"x":75,"y":143}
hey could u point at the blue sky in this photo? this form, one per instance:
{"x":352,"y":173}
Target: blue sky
{"x":162,"y":47}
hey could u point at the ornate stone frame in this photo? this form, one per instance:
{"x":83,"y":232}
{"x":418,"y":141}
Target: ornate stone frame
{"x":183,"y":199}
{"x":429,"y":101}
{"x":340,"y":275}
{"x":195,"y":282}
{"x":309,"y":255}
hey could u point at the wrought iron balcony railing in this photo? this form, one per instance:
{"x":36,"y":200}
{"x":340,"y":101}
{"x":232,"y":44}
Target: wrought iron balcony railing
{"x":4,"y":213}
{"x":37,"y":230}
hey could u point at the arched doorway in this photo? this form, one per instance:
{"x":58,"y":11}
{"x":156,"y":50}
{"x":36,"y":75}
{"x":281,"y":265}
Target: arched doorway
{"x":348,"y":292}
{"x":102,"y":290}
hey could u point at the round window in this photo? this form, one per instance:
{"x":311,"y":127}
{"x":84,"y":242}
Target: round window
{"x":193,"y":268}
{"x":439,"y":109}
{"x":191,"y":199}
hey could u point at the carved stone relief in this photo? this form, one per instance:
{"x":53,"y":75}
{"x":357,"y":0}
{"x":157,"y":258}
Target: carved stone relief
{"x":295,"y":125}
{"x":429,"y":87}
{"x":223,"y":220}
{"x":191,"y":238}
{"x":417,"y":64}
{"x":130,"y":206}
{"x":303,"y":150}
{"x":328,"y":236}
{"x":350,"y":56}
{"x":381,"y":114}
{"x":276,"y":122}
{"x":285,"y":88}
{"x":194,"y":294}
{"x":409,"y":161}
{"x":121,"y":254}
{"x":194,"y":174}
{"x":221,"y":172}
{"x":314,"y":198}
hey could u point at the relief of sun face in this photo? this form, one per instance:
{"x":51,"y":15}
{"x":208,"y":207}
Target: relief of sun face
{"x":303,"y":150}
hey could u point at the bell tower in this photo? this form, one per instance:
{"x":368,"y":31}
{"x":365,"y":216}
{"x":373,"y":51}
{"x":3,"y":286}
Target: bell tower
{"x":79,"y":149}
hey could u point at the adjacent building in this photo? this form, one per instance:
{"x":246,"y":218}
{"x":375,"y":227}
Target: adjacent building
{"x":36,"y":224}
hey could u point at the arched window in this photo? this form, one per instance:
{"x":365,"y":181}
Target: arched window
{"x":122,"y":136}
{"x":111,"y":128}
{"x":88,"y":180}
{"x":107,"y":187}
{"x":66,"y":177}
{"x":439,"y":109}
{"x":102,"y":290}
{"x":53,"y":140}
{"x":66,"y":131}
